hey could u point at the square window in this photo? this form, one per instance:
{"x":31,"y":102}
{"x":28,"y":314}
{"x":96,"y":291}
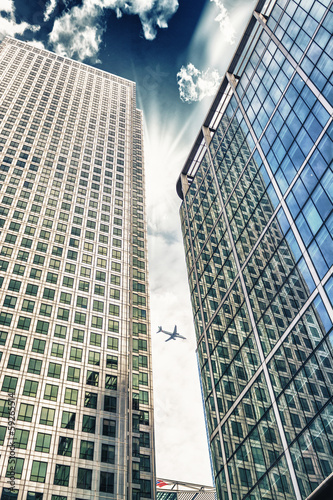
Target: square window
{"x":38,"y":471}
{"x":110,"y":404}
{"x":84,"y":479}
{"x":65,"y":446}
{"x":47,"y":416}
{"x":88,"y":424}
{"x":38,"y":346}
{"x":19,"y":342}
{"x":61,"y":475}
{"x":16,"y":469}
{"x":34,"y":366}
{"x":90,"y":400}
{"x":43,"y":442}
{"x":68,"y":420}
{"x":109,"y":427}
{"x":106,"y":482}
{"x":71,"y":396}
{"x":25,"y":412}
{"x":30,"y":388}
{"x":108,"y":453}
{"x":87,"y":450}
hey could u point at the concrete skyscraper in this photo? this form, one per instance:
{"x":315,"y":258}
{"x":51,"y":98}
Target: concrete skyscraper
{"x":257,"y":224}
{"x":76,"y":408}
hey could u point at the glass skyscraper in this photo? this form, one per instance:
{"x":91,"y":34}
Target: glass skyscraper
{"x":76,"y":414}
{"x":257,"y":224}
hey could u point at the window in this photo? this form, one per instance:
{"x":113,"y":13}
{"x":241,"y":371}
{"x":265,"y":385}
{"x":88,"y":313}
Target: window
{"x":65,"y":446}
{"x":65,"y":298}
{"x":88,"y":424}
{"x":9,"y":384}
{"x":110,"y":404}
{"x":19,"y":341}
{"x":144,"y":439}
{"x":14,"y":362}
{"x":5,"y":319}
{"x":113,"y":343}
{"x":57,"y":350}
{"x":87,"y":450}
{"x":63,"y":314}
{"x":80,"y":318}
{"x":97,"y":322}
{"x":51,"y":392}
{"x":82,"y":302}
{"x":21,"y":438}
{"x":78,"y":335}
{"x":95,"y":339}
{"x":113,"y":326}
{"x":31,"y":289}
{"x":54,"y":370}
{"x":108,"y":453}
{"x":90,"y":400}
{"x":71,"y":396}
{"x":83,"y":286}
{"x":75,"y":354}
{"x":94,"y":358}
{"x":109,"y":427}
{"x":111,"y":362}
{"x":38,"y":346}
{"x":60,"y":331}
{"x":43,"y":442}
{"x":98,"y":306}
{"x":47,"y":416}
{"x":111,"y":382}
{"x":68,"y":282}
{"x":68,"y":420}
{"x":99,"y":290}
{"x":25,"y":412}
{"x":30,"y":388}
{"x":38,"y":471}
{"x":106,"y":482}
{"x":48,"y":293}
{"x":45,"y":310}
{"x":14,"y":285}
{"x":84,"y":479}
{"x":92,"y":378}
{"x":34,"y":366}
{"x":61,"y":475}
{"x":18,"y":467}
{"x":10,"y":301}
{"x":73,"y":374}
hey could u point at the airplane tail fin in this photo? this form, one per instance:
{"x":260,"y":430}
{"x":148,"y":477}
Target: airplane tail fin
{"x":159,"y":329}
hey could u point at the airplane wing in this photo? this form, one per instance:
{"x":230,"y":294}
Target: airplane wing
{"x":175,"y":329}
{"x":167,"y":340}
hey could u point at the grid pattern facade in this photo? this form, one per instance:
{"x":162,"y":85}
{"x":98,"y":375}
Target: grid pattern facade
{"x":76,"y":414}
{"x":257,"y":224}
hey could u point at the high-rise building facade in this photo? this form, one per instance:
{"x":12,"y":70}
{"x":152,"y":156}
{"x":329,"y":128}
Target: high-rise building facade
{"x":257,"y":224}
{"x":76,"y":409}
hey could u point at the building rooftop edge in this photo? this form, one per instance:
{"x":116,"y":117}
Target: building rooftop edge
{"x":68,"y":58}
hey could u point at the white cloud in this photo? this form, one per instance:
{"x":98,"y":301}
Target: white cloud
{"x":50,"y":7}
{"x":226,"y":27}
{"x":78,"y":32}
{"x":8,"y":24}
{"x":36,"y":43}
{"x":194,"y":84}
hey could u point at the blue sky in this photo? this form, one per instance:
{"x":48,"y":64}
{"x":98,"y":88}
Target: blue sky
{"x":176,"y":51}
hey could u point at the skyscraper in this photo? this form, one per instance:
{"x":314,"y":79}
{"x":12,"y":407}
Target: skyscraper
{"x":257,"y":225}
{"x":76,"y":414}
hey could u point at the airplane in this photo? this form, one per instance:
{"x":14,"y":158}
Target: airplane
{"x":173,"y":335}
